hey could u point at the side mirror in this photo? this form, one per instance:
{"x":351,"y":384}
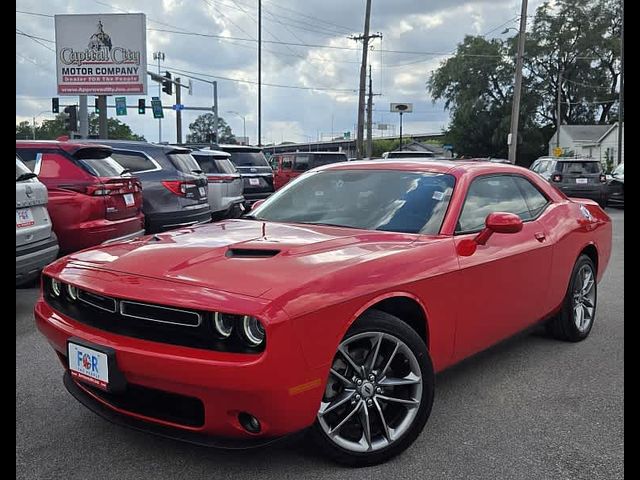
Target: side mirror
{"x":256,"y":204}
{"x":497,"y":222}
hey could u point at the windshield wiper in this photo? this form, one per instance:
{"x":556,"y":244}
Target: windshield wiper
{"x":26,"y":176}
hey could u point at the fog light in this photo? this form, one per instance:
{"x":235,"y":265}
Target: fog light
{"x":250,"y":423}
{"x":72,"y":292}
{"x":55,"y":287}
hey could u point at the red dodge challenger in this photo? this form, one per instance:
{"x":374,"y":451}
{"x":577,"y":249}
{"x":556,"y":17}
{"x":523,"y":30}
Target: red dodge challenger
{"x":330,"y":307}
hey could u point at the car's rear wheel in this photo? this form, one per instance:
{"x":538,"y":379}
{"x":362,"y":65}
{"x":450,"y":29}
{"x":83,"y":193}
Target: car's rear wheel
{"x":379,"y":393}
{"x":575,"y":320}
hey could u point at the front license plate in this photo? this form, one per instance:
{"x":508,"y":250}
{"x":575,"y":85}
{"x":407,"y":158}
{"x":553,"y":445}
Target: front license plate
{"x":582,"y":180}
{"x":203,"y":192}
{"x":128,"y":199}
{"x":24,"y":218}
{"x":254,"y":181}
{"x":88,"y":365}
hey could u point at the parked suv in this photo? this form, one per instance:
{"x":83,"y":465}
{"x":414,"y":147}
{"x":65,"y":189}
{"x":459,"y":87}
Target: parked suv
{"x":616,"y":186}
{"x":92,"y":199}
{"x":256,"y":173}
{"x":575,"y":177}
{"x":174,"y":186}
{"x":225,"y":184}
{"x":36,"y":244}
{"x":287,"y":166}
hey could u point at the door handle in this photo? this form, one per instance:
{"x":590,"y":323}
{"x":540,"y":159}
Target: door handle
{"x":540,"y":236}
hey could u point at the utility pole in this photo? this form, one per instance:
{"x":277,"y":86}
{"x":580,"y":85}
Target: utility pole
{"x":369,"y":117}
{"x":559,"y":107}
{"x":178,"y":111}
{"x":260,"y":72}
{"x":102,"y":117}
{"x":215,"y":110}
{"x":159,"y":56}
{"x":400,"y":147}
{"x":365,"y":37}
{"x":83,"y":116}
{"x":515,"y":107}
{"x":621,"y":99}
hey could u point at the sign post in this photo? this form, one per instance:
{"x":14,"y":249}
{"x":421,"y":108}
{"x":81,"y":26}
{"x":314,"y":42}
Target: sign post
{"x":156,"y":107}
{"x":121,"y":106}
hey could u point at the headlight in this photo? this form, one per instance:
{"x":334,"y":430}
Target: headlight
{"x":55,"y":287}
{"x":72,"y":292}
{"x":252,"y":331}
{"x":223,"y":324}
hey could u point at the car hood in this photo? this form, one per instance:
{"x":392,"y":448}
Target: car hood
{"x":245,"y":256}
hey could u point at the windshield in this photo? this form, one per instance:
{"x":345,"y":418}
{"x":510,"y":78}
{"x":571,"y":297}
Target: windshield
{"x":184,"y":162}
{"x":102,"y":167}
{"x":578,"y":168}
{"x":249,"y":159}
{"x":619,"y":171}
{"x":396,"y":201}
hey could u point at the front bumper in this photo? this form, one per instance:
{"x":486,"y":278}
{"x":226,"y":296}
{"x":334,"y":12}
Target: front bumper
{"x":275,"y":386}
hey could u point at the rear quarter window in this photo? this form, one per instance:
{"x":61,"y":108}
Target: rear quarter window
{"x":134,"y":161}
{"x":184,"y":162}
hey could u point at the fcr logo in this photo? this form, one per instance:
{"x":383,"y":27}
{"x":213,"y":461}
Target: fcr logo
{"x":86,"y":361}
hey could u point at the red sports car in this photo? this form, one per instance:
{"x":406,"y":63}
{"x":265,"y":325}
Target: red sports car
{"x":330,"y":307}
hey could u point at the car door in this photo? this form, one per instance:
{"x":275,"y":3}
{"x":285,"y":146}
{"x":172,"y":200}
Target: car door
{"x":504,"y":283}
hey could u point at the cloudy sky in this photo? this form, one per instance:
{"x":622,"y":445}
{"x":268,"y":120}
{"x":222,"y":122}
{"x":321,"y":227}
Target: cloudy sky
{"x":323,"y":66}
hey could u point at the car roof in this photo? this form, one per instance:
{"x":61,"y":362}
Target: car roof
{"x":213,"y":153}
{"x":454,"y":167}
{"x":70,"y":147}
{"x":139,"y":145}
{"x":247,"y":148}
{"x":570,"y":159}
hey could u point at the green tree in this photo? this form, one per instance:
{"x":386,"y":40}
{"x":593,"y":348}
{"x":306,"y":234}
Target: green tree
{"x":116,"y":130}
{"x":24,"y":131}
{"x":202,"y":128}
{"x":579,"y":38}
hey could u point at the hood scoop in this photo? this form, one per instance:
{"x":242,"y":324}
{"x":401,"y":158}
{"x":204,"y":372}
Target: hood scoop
{"x":251,"y":253}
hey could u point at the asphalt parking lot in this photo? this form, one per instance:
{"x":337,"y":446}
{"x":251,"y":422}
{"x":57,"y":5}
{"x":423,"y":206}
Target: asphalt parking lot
{"x":530,"y":408}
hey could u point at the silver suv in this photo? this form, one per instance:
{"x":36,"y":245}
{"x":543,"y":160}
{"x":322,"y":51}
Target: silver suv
{"x":36,"y":244}
{"x":224,"y":183}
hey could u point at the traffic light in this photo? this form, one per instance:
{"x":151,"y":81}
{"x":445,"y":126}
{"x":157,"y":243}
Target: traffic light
{"x":71,"y":121}
{"x":55,"y":105}
{"x":167,"y":86}
{"x":142,"y":108}
{"x":96,"y":107}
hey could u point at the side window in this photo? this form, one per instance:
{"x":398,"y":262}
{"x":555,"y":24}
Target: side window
{"x":536,"y":166}
{"x":134,"y":161}
{"x":486,"y":195}
{"x":535,"y":200}
{"x":301,"y":163}
{"x":28,"y":157}
{"x":286,"y":162}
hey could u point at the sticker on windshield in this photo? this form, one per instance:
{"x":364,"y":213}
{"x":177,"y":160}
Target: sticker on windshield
{"x":319,"y":193}
{"x":438,"y":195}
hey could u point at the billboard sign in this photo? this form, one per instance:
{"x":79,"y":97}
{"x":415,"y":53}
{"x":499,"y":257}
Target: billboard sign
{"x":101,"y":54}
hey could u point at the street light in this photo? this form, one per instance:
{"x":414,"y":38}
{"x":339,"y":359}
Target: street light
{"x":244,"y":124}
{"x":34,"y":122}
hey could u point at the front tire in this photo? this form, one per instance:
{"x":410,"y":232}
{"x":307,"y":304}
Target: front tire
{"x":575,"y":320}
{"x":379,"y":393}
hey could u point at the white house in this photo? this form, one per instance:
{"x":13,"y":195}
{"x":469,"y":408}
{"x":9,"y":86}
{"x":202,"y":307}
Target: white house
{"x":591,"y":141}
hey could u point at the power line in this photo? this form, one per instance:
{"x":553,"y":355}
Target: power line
{"x":35,"y":39}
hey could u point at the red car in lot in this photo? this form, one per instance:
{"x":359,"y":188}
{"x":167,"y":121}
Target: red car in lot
{"x":92,"y":199}
{"x":330,"y":307}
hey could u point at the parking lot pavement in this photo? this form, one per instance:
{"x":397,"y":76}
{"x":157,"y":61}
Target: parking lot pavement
{"x":530,"y":408}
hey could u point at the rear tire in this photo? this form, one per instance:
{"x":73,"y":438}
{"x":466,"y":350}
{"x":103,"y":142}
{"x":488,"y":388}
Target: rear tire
{"x":575,"y":319}
{"x":371,"y":414}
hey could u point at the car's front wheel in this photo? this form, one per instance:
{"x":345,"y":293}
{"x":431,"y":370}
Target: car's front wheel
{"x":379,"y":393}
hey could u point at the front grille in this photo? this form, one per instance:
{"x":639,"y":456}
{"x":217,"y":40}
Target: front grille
{"x":170,"y":407}
{"x":147,"y":321}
